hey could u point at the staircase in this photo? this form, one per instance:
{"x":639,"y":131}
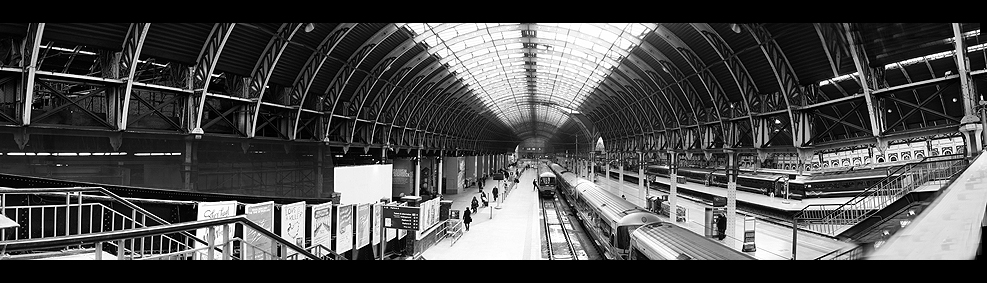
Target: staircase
{"x":929,"y":174}
{"x":80,"y":230}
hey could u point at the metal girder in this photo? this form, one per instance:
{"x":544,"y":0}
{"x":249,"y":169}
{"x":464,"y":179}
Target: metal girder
{"x":205,"y":64}
{"x":637,"y":112}
{"x":343,"y":76}
{"x":868,"y":79}
{"x":917,"y":107}
{"x":446,"y":82}
{"x":32,"y":42}
{"x":440,"y":80}
{"x":639,"y":93}
{"x":748,"y":89}
{"x":439,"y":119}
{"x":649,"y":91}
{"x":359,"y":99}
{"x":785,"y":76}
{"x":427,"y":108}
{"x":132,"y":46}
{"x":261,"y":73}
{"x":303,"y":81}
{"x":685,"y":90}
{"x":717,"y":97}
{"x":393,"y":106}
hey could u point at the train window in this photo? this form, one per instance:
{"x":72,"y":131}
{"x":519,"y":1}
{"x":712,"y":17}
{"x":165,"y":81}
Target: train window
{"x":624,"y":235}
{"x":638,"y":255}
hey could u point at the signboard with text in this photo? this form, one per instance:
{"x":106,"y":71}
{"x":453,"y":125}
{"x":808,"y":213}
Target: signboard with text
{"x":375,"y":220}
{"x":362,"y":225}
{"x":401,"y":217}
{"x":213,"y":210}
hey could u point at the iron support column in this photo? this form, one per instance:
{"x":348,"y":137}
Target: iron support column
{"x":673,"y":170}
{"x":732,"y":171}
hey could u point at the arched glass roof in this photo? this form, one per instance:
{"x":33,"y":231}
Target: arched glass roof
{"x":531,"y":72}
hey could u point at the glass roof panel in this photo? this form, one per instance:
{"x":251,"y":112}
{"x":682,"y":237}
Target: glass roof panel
{"x":517,"y":68}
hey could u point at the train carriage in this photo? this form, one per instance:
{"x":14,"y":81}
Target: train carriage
{"x":546,"y":184}
{"x":664,"y":241}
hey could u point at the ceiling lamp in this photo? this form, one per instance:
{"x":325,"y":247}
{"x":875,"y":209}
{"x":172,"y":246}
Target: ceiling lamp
{"x":735,"y":28}
{"x":309,"y":27}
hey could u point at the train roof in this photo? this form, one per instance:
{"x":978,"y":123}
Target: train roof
{"x":546,"y":174}
{"x":671,"y":241}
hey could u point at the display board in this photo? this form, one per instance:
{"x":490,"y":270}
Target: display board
{"x":322,"y":225}
{"x":362,"y":225}
{"x":293,"y":224}
{"x":375,"y":223}
{"x":263,"y":215}
{"x":363,"y":184}
{"x":344,"y":228}
{"x":213,"y":210}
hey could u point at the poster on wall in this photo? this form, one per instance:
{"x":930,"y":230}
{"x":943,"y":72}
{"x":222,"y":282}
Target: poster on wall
{"x":213,"y":210}
{"x":363,"y":225}
{"x":322,"y":225}
{"x":344,"y":228}
{"x":259,"y":244}
{"x":293,"y":224}
{"x":375,"y":223}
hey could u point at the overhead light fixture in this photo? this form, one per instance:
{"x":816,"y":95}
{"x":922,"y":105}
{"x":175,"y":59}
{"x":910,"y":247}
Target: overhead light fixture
{"x":735,"y":28}
{"x":309,"y":27}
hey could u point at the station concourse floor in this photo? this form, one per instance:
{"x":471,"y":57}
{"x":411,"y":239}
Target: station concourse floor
{"x":513,"y":233}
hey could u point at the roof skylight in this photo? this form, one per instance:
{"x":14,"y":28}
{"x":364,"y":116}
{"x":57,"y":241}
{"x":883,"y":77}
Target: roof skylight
{"x":529,"y":71}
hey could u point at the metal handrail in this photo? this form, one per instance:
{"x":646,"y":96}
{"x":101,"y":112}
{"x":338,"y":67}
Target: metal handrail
{"x":105,"y":192}
{"x":321,"y":248}
{"x":94,"y":238}
{"x":852,"y":212}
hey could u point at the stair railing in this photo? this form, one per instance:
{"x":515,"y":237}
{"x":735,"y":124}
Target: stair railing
{"x":831,"y":219}
{"x":118,"y":238}
{"x":139,"y":217}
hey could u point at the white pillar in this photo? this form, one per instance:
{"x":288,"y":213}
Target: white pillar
{"x":440,"y":172}
{"x":418,"y":174}
{"x":620,"y":166}
{"x":732,"y":171}
{"x":673,"y":184}
{"x":642,"y":191}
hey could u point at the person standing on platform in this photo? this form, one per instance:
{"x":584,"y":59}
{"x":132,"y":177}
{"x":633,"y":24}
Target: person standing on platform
{"x":534,"y":183}
{"x":495,"y":194}
{"x":466,"y":217}
{"x":721,"y":226}
{"x":483,"y":198}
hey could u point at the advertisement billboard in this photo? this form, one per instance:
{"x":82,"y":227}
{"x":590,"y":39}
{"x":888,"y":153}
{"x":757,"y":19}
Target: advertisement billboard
{"x":255,"y":244}
{"x":344,"y":228}
{"x":322,"y":225}
{"x":363,"y":225}
{"x":212,"y":210}
{"x":293,"y":224}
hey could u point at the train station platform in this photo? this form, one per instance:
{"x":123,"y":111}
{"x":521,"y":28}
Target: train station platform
{"x":776,"y":203}
{"x":773,"y":241}
{"x":510,"y":232}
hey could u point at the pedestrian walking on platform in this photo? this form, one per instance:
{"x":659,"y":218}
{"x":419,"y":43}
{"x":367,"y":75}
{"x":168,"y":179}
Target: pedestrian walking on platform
{"x":534,"y":184}
{"x":474,"y":204}
{"x":466,"y":217}
{"x":495,"y":194}
{"x":483,"y":198}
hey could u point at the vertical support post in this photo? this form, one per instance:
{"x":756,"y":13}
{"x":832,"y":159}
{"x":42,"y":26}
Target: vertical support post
{"x":642,"y":190}
{"x":673,"y":184}
{"x":226,"y":242}
{"x":189,"y":172}
{"x":78,"y":227}
{"x":68,"y":202}
{"x":418,"y":173}
{"x":592,"y":167}
{"x":865,"y":77}
{"x":620,"y":179}
{"x":210,"y":246}
{"x":98,"y":250}
{"x":383,"y":235}
{"x":440,"y":172}
{"x":795,"y":232}
{"x":971,"y":126}
{"x":120,"y":250}
{"x":732,"y":171}
{"x":320,"y":155}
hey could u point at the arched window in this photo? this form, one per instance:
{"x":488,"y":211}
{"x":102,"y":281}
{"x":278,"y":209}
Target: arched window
{"x":893,"y":159}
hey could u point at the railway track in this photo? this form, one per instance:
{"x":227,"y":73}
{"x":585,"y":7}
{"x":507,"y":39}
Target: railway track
{"x":561,"y":245}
